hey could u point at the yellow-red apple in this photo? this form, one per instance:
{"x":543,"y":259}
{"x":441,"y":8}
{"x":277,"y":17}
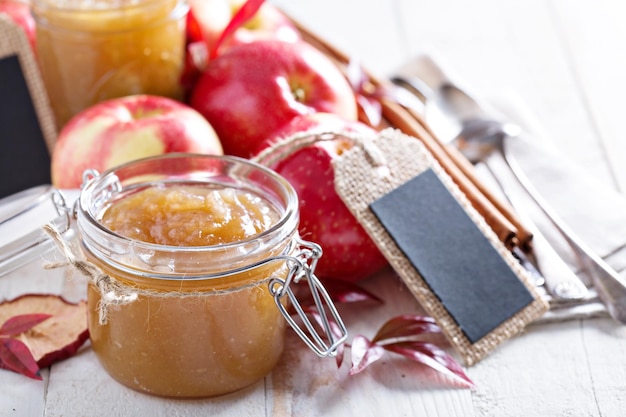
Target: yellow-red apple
{"x":120,"y":130}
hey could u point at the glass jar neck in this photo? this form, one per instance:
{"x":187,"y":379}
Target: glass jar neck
{"x":106,"y":16}
{"x":149,"y":260}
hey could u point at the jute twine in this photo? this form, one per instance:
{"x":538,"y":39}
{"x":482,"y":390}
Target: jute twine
{"x":286,"y":146}
{"x":113,"y":292}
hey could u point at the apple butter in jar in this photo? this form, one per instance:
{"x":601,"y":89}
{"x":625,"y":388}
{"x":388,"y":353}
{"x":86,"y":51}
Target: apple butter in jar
{"x":193,"y":257}
{"x":91,"y":51}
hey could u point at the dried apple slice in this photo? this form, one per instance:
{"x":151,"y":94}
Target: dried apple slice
{"x":58,"y":330}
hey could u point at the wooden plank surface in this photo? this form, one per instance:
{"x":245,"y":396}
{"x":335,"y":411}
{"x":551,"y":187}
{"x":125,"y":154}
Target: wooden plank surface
{"x":594,"y":33}
{"x":564,"y":60}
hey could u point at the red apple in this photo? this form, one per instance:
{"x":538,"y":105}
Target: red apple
{"x":310,"y":123}
{"x":349,"y":254}
{"x":210,"y":18}
{"x":19,"y":12}
{"x":268,"y":23}
{"x":124,"y":129}
{"x":253,"y":89}
{"x":207,"y":18}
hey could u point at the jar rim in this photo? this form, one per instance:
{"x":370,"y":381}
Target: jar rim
{"x":93,"y":6}
{"x":42,"y":8}
{"x":97,"y":186}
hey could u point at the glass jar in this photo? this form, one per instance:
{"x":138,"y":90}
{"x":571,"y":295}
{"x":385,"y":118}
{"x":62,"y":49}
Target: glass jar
{"x":196,"y":321}
{"x":90,"y":51}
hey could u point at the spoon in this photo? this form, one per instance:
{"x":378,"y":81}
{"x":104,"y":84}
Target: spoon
{"x":481,"y":137}
{"x":478,"y":138}
{"x":482,"y":140}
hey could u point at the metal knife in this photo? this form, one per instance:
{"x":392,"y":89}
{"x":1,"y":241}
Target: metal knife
{"x":560,"y":281}
{"x":611,"y":287}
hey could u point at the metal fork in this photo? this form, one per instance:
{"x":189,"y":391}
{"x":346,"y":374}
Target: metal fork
{"x":480,"y":140}
{"x":456,"y":103}
{"x":483,"y":141}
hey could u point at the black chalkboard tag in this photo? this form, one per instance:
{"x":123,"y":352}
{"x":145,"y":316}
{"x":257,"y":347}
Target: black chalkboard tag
{"x":443,"y":249}
{"x":27,"y":129}
{"x":459,"y":264}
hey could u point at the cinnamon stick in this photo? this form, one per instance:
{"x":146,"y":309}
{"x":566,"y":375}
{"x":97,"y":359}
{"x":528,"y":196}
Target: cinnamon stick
{"x":497,"y":213}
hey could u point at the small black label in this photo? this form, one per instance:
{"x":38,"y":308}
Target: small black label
{"x":460,"y":265}
{"x":24,"y":157}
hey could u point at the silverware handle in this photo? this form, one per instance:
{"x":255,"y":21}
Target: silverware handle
{"x":610,"y":286}
{"x":559,"y":279}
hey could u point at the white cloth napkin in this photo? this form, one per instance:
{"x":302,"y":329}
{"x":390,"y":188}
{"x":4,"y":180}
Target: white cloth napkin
{"x":591,"y":208}
{"x":595,"y":212}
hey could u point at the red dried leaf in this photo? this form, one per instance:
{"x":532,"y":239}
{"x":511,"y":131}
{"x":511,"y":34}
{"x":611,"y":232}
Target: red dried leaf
{"x":348,"y":292}
{"x":15,"y":356}
{"x":432,"y":356}
{"x":245,"y":13}
{"x":407,"y":325}
{"x":364,"y":353}
{"x":19,"y":324}
{"x":56,"y":338}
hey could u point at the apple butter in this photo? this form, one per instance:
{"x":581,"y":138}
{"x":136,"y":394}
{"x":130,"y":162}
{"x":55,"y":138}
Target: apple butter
{"x":90,"y":51}
{"x":191,"y":243}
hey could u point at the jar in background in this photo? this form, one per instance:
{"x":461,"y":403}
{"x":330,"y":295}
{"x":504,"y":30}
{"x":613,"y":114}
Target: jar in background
{"x":90,"y":51}
{"x":192,"y":319}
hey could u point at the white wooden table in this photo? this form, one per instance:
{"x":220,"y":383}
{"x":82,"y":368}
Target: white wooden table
{"x":565,"y":60}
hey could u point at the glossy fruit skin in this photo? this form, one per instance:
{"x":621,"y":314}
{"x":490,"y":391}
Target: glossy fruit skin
{"x":209,"y":18}
{"x":349,"y":254}
{"x":268,"y":23}
{"x":253,"y":89}
{"x":120,"y":130}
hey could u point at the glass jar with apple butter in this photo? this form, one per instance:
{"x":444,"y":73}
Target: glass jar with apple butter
{"x":90,"y":51}
{"x":193,"y":259}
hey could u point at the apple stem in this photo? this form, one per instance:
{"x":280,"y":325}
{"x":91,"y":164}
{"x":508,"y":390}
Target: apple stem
{"x":299,"y":93}
{"x":245,"y":13}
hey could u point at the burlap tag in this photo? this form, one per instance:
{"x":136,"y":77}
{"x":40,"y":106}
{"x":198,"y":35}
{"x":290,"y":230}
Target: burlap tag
{"x":379,"y":165}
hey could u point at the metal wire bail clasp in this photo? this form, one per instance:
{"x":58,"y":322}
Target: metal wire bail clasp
{"x":107,"y":187}
{"x":327,"y":320}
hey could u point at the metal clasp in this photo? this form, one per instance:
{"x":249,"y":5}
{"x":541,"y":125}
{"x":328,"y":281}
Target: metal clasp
{"x":301,"y":266}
